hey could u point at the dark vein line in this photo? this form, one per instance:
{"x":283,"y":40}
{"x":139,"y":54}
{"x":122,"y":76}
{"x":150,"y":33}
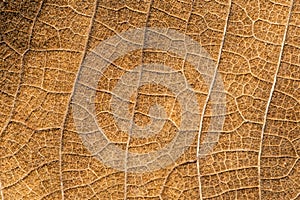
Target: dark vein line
{"x":207,"y":99}
{"x":270,"y":99}
{"x":70,"y":99}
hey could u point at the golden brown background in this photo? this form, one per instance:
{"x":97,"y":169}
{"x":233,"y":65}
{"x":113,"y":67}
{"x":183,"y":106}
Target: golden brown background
{"x":256,"y":48}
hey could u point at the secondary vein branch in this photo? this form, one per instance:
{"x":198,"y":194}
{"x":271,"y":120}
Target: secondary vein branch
{"x":270,"y":99}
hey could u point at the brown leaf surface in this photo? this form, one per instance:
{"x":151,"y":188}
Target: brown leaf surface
{"x":255,"y":46}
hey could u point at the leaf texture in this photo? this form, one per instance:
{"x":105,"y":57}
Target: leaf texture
{"x":48,"y":57}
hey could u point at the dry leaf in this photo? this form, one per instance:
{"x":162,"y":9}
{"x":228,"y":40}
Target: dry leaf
{"x":149,"y":99}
